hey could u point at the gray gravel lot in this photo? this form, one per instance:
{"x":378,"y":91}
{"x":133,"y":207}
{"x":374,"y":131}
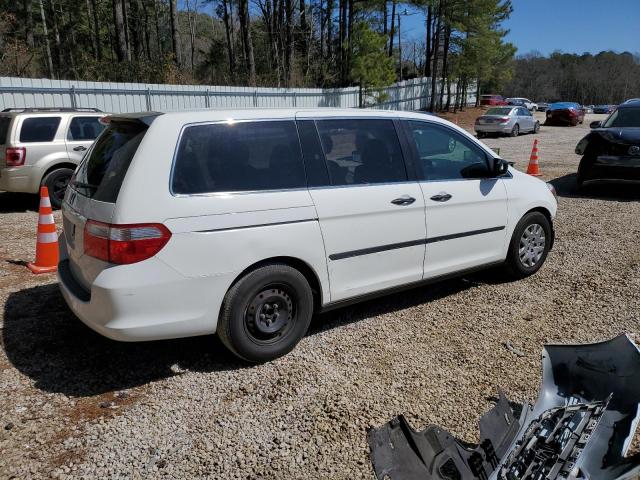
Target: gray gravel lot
{"x":74,"y":404}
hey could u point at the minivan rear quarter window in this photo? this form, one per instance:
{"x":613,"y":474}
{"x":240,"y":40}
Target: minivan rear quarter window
{"x":39,"y":129}
{"x":238,"y":156}
{"x":102,"y":171}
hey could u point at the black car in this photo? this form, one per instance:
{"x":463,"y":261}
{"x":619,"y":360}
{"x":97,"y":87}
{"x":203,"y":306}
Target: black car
{"x":611,"y":151}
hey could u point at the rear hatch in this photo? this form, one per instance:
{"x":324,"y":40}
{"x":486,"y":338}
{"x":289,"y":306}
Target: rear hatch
{"x":94,"y":189}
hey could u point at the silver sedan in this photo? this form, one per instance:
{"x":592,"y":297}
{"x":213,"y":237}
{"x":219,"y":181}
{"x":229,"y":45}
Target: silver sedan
{"x":506,"y":120}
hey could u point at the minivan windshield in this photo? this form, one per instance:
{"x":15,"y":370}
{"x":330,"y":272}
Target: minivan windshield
{"x":624,"y":117}
{"x":102,"y":171}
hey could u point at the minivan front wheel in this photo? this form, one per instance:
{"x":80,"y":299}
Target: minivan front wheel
{"x":529,"y":245}
{"x":266,"y":313}
{"x":56,"y":182}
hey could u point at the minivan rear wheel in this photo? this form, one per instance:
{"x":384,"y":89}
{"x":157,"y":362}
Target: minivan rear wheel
{"x":56,"y":182}
{"x":266,"y":313}
{"x":529,"y":245}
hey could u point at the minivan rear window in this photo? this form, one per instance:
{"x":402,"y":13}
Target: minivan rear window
{"x":238,"y":156}
{"x":102,"y":171}
{"x":5,"y":122}
{"x":39,"y":129}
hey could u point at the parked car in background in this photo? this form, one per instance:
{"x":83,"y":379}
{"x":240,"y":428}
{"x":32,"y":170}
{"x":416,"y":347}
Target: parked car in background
{"x":523,"y":102}
{"x":542,"y":106}
{"x":603,"y":108}
{"x":611,"y":151}
{"x":587,"y":109}
{"x":492,"y":100}
{"x":507,"y":121}
{"x":564,"y":113}
{"x":256,"y":219}
{"x":43,"y":146}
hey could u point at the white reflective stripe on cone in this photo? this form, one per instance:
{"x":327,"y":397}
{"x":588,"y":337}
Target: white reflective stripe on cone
{"x":45,"y":202}
{"x":46,"y":219}
{"x":47,"y":237}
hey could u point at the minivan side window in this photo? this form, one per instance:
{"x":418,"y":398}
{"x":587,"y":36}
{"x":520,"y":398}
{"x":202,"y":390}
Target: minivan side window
{"x":84,"y":128}
{"x":361,"y":151}
{"x":39,"y":129}
{"x":238,"y":156}
{"x":444,"y":154}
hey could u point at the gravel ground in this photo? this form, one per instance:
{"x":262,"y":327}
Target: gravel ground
{"x":74,"y":404}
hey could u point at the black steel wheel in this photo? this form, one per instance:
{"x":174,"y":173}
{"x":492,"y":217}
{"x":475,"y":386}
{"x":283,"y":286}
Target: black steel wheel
{"x":266,"y":313}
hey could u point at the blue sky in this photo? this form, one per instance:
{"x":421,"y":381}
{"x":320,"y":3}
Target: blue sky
{"x":573,"y":26}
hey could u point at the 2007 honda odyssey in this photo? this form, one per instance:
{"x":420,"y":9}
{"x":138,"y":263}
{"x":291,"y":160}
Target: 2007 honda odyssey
{"x":245,"y":223}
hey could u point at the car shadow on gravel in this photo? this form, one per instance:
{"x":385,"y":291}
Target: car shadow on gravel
{"x":566,"y":187}
{"x":18,"y":202}
{"x":46,"y":342}
{"x":405,"y":299}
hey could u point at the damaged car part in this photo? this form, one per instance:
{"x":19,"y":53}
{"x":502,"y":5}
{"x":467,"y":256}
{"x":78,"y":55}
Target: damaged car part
{"x":580,"y":428}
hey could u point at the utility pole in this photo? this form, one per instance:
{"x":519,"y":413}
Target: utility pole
{"x":400,"y":45}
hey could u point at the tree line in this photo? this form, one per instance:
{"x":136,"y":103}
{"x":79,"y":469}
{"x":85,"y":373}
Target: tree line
{"x":275,"y":43}
{"x":604,"y":78}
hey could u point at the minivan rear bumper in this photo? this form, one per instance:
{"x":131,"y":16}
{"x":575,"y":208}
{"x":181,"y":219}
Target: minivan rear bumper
{"x":143,"y":301}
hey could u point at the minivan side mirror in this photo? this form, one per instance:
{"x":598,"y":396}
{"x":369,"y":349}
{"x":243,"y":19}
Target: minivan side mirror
{"x":595,"y":124}
{"x":500,"y":167}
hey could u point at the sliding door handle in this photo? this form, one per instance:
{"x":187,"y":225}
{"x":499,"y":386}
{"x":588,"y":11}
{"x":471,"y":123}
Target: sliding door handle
{"x":403,"y":200}
{"x":441,"y":197}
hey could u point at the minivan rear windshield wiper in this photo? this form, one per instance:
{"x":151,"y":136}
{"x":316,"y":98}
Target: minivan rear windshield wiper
{"x":75,"y":183}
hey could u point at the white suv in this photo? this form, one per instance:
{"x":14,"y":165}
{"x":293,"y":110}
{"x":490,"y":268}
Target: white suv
{"x":43,"y":146}
{"x":246,"y":222}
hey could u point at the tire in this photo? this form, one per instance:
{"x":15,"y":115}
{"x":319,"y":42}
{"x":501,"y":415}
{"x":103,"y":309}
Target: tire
{"x":480,"y":134}
{"x":56,"y":182}
{"x":536,"y":128}
{"x":517,"y":266}
{"x":280,"y":295}
{"x":581,"y":176}
{"x":515,"y":131}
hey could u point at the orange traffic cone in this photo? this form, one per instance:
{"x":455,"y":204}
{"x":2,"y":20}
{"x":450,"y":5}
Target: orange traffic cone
{"x":534,"y":166}
{"x":47,"y":240}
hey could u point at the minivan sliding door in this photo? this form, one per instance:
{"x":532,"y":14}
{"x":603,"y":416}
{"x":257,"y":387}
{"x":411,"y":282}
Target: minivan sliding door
{"x":371,"y":214}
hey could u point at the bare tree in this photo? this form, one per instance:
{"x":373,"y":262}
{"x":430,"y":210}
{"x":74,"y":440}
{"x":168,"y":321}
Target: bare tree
{"x":175,"y":41}
{"x":245,"y":30}
{"x":47,"y":43}
{"x":121,"y":39}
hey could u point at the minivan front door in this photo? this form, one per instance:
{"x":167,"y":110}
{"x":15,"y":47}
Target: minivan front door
{"x":466,"y":209}
{"x":370,"y":213}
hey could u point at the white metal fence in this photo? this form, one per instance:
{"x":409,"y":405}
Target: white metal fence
{"x":134,"y":97}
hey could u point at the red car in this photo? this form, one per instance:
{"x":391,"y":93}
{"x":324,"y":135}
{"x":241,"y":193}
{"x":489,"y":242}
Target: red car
{"x":492,"y":100}
{"x":565,"y":113}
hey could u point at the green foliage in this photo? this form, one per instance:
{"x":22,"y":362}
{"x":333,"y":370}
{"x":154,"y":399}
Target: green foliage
{"x":371,"y":67}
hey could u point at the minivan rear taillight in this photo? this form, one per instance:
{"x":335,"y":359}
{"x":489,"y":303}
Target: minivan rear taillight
{"x":15,"y":156}
{"x":124,"y":244}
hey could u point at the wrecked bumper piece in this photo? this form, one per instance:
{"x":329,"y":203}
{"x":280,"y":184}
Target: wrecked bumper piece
{"x":580,"y":428}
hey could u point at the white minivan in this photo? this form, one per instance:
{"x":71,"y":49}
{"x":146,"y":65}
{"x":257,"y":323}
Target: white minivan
{"x":246,"y":222}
